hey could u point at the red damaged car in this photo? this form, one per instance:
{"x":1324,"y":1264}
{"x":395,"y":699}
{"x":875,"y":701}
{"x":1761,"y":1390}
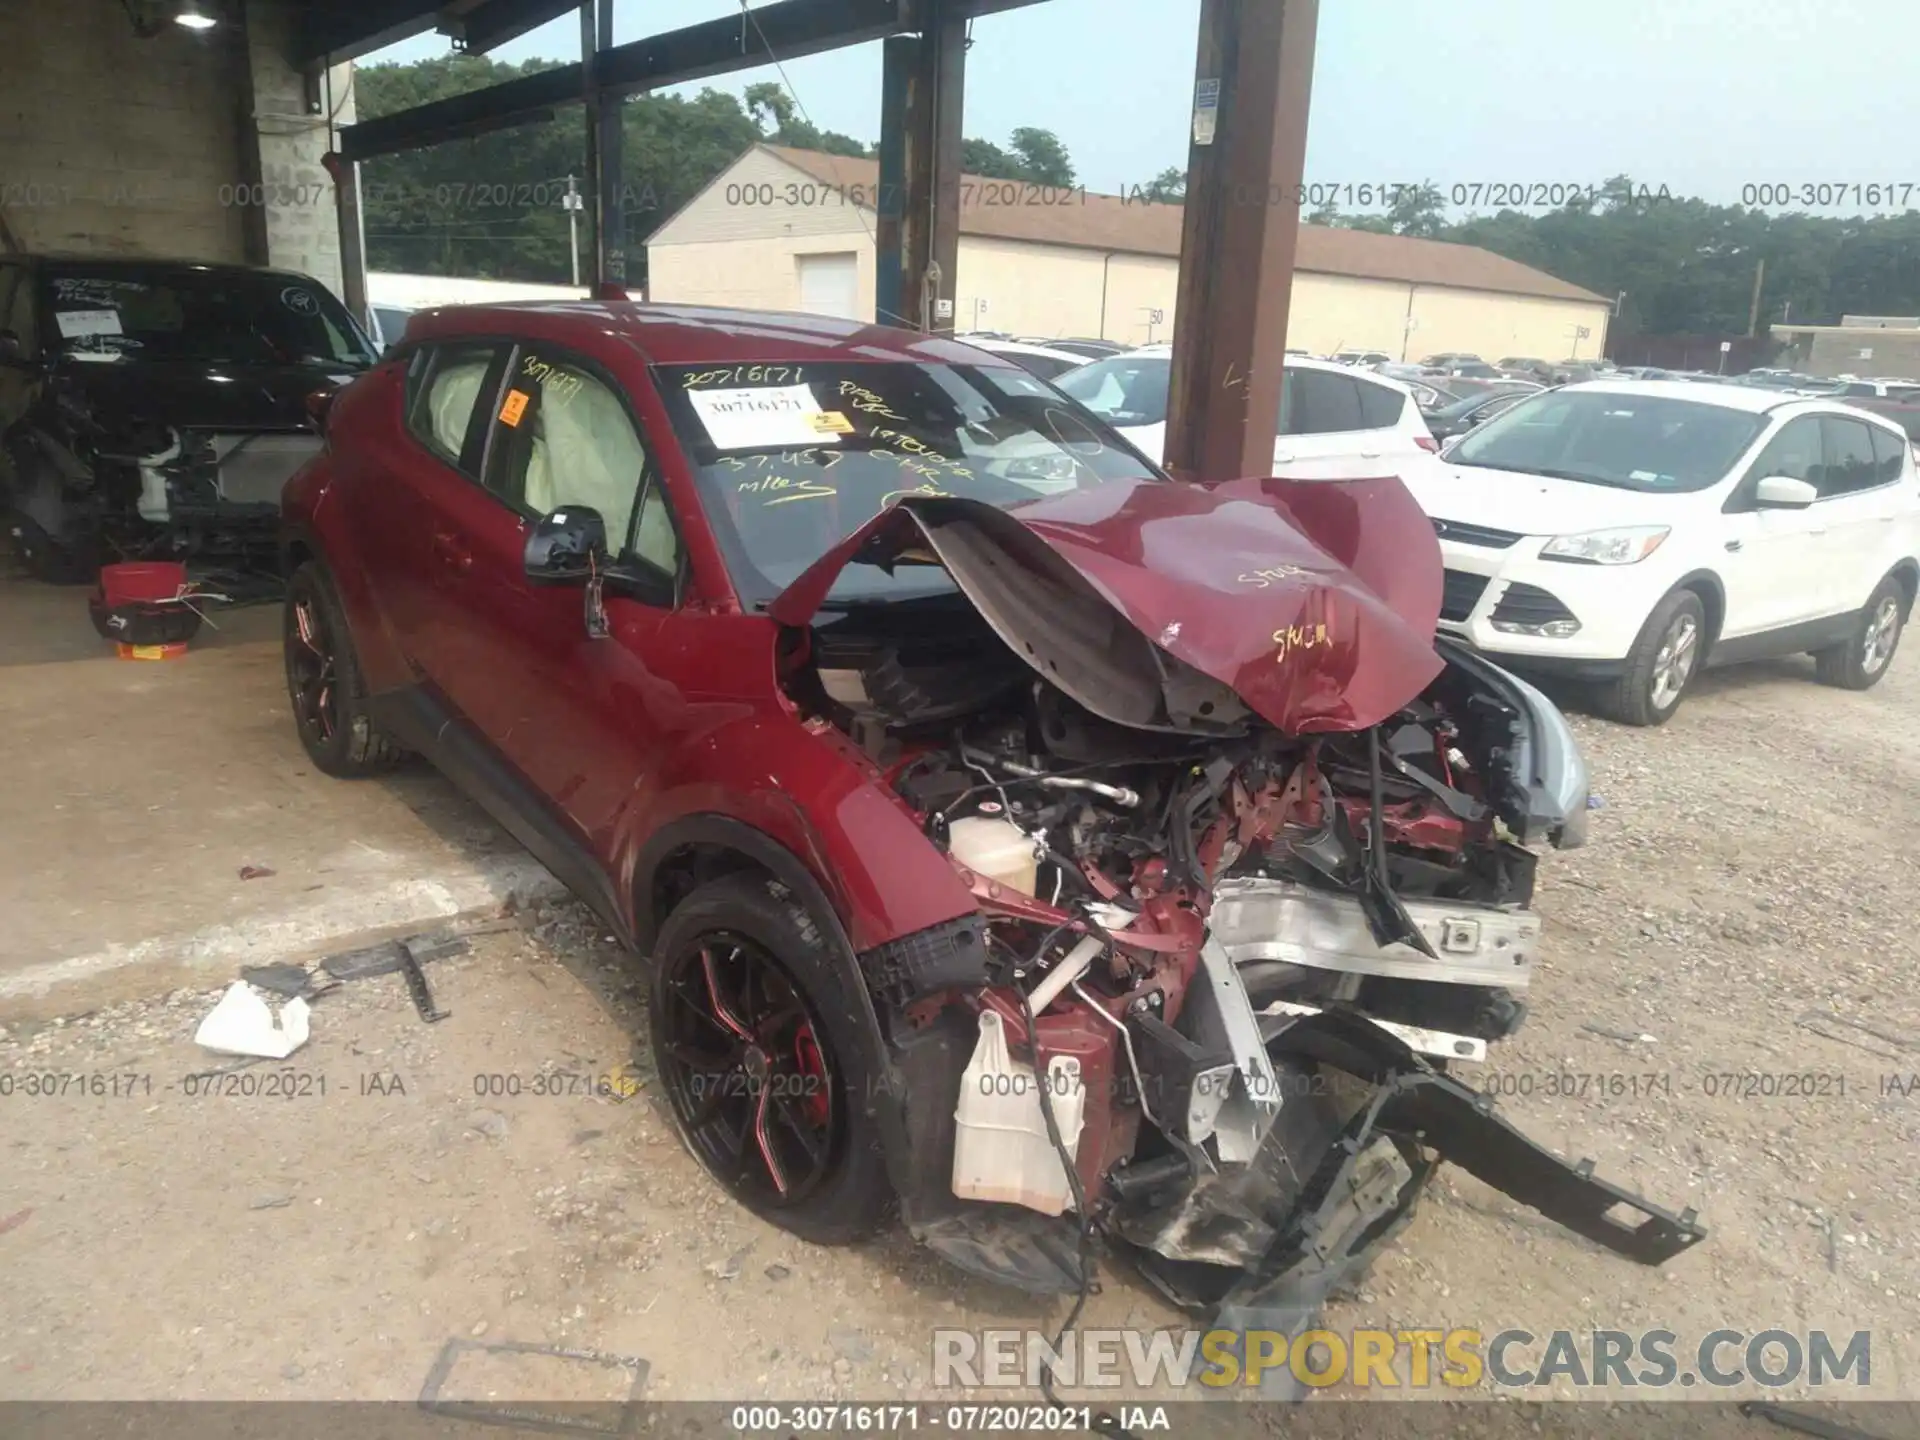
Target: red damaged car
{"x":1055,"y":854}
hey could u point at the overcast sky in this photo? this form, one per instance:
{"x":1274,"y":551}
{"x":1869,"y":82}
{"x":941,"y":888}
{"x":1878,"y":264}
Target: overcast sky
{"x":1702,"y":96}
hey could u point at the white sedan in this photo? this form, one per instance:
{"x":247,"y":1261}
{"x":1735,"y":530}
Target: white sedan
{"x":1631,"y":532}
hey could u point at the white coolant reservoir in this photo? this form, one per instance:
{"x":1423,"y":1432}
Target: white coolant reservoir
{"x":997,"y":849}
{"x":1001,"y":1149}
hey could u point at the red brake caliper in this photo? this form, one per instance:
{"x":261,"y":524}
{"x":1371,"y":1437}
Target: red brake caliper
{"x":724,"y":1014}
{"x":813,"y":1065}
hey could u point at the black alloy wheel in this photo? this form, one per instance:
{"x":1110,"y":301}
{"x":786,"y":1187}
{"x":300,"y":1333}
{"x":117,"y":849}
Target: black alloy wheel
{"x":761,"y":1057}
{"x":323,"y":682}
{"x":313,"y":682}
{"x":746,"y":1073}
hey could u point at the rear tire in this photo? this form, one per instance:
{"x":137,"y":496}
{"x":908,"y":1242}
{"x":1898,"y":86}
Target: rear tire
{"x":1662,"y":664}
{"x":324,"y":683}
{"x":762,"y":1062}
{"x":1866,"y":655}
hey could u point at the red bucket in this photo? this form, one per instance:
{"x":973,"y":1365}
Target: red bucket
{"x":137,"y":605}
{"x":143,"y":580}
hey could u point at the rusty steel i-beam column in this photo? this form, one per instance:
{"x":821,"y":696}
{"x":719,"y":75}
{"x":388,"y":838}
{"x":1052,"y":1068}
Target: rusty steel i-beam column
{"x":1248,"y":154}
{"x":930,"y":212}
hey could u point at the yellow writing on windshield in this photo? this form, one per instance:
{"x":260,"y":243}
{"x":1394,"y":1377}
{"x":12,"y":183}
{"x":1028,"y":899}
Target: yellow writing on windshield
{"x":893,"y":495}
{"x":865,"y":401}
{"x":785,"y":489}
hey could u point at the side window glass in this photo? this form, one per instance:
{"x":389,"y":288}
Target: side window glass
{"x":1794,"y":452}
{"x":1848,"y":456}
{"x":446,"y":396}
{"x":1289,"y":403}
{"x":1326,"y":404}
{"x":1888,"y":450}
{"x":564,"y":438}
{"x":1380,"y":407}
{"x":655,"y":541}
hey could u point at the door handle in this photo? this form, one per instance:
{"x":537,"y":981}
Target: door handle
{"x":452,"y":553}
{"x":1733,"y":544}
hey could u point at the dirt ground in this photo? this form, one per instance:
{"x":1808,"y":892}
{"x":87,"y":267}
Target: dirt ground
{"x":1742,"y":905}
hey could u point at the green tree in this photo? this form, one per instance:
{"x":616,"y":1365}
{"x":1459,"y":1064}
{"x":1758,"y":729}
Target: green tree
{"x":775,"y":112}
{"x":1042,"y":157}
{"x":1169,"y":187}
{"x":989,"y":161}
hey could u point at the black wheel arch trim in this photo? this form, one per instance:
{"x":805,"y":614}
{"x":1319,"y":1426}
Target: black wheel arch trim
{"x":886,"y":1097}
{"x":1715,"y":605}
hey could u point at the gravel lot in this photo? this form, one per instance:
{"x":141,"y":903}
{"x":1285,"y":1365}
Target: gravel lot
{"x":1737,"y":916}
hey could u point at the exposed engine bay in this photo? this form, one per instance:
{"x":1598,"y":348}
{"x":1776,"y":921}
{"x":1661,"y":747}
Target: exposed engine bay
{"x":1219,"y":972}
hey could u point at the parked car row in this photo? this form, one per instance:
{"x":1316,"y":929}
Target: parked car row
{"x":1655,"y":527}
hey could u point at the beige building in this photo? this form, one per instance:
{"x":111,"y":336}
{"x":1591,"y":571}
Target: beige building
{"x":788,"y":229}
{"x":1863,"y":345}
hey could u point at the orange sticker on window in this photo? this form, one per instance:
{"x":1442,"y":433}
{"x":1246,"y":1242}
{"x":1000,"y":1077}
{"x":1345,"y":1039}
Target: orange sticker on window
{"x":831,"y":422}
{"x":514,"y":407}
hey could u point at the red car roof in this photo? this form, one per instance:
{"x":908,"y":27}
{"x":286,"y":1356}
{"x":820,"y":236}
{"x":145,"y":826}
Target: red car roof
{"x":697,"y":334}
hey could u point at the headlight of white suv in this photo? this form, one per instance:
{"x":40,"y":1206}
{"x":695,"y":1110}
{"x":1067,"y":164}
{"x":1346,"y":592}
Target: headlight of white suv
{"x":1607,"y":547}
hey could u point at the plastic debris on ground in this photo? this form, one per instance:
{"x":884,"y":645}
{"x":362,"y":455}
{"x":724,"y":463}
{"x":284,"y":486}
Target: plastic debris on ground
{"x":244,"y":1024}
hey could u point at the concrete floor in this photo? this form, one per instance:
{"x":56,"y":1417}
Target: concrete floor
{"x":136,"y":791}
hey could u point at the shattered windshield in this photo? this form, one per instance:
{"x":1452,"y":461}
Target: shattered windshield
{"x":214,"y":314}
{"x":791,"y":458}
{"x":1606,"y":437}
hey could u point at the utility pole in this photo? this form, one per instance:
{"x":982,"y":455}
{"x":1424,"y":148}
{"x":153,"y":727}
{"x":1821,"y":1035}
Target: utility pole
{"x":574,"y":204}
{"x":1753,"y":311}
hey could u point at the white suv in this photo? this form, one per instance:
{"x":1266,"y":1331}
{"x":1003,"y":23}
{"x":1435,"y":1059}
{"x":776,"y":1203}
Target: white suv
{"x":1629,"y":532}
{"x":1326,"y":410}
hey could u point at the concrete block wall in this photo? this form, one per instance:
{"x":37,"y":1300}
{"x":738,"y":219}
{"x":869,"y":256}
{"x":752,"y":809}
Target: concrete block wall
{"x":192,"y":145}
{"x":112,"y":144}
{"x":301,"y":226}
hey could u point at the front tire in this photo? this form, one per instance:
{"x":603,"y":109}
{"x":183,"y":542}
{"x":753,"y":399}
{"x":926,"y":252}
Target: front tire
{"x":324,"y":683}
{"x":1864,"y":657}
{"x":1662,"y":664}
{"x":762,"y":1061}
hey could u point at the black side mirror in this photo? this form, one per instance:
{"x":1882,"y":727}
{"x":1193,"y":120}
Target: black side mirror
{"x":567,"y":546}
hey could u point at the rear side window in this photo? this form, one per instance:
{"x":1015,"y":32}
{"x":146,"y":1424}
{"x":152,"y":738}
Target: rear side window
{"x":1848,"y":454}
{"x":1380,"y":408}
{"x":1889,"y":450}
{"x":447,"y":386}
{"x":1322,"y":404}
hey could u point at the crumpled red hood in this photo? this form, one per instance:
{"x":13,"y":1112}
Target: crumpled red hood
{"x":1314,"y":601}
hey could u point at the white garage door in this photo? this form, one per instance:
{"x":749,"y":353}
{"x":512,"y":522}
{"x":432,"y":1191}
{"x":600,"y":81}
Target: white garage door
{"x":830,"y":284}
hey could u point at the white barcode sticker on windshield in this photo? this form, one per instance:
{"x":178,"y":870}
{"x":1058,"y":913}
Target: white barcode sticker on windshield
{"x":762,"y":417}
{"x":76,"y":323}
